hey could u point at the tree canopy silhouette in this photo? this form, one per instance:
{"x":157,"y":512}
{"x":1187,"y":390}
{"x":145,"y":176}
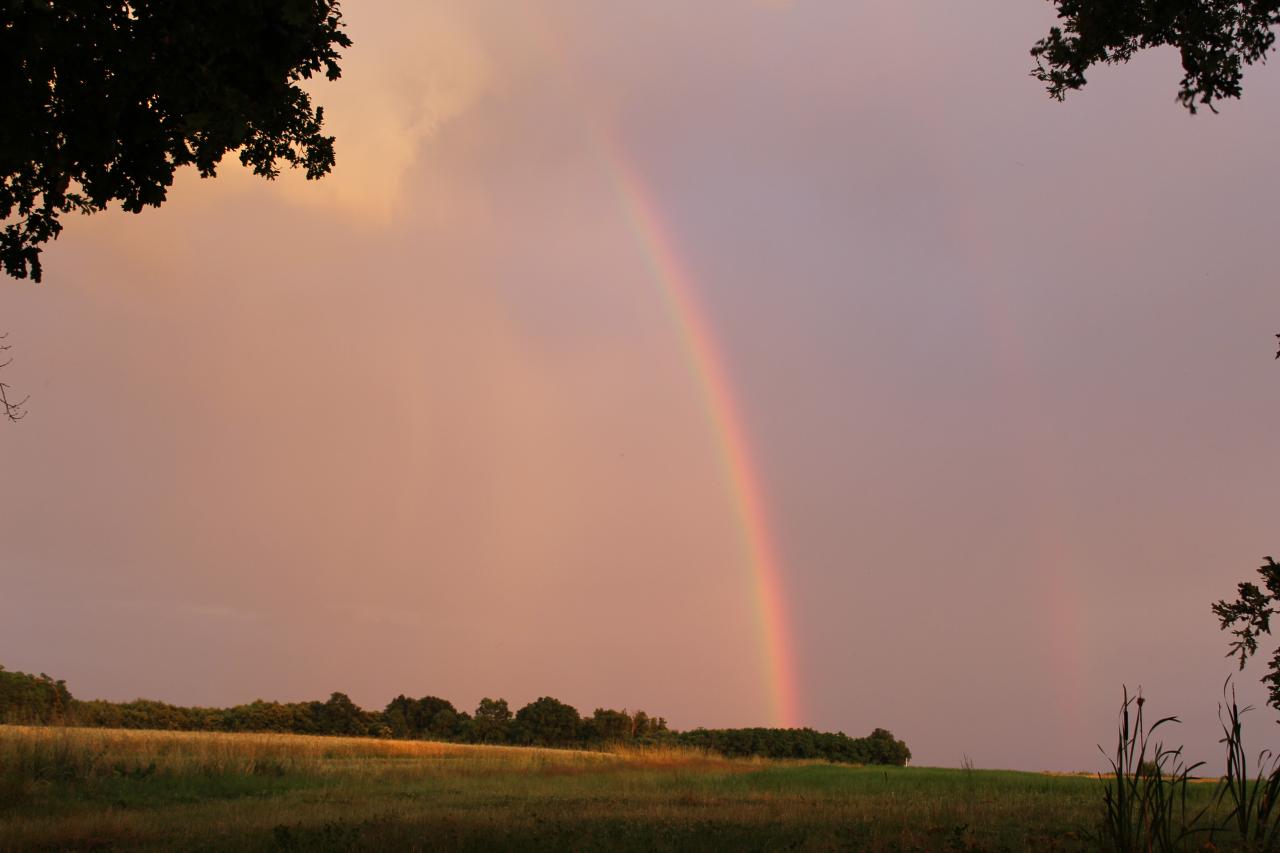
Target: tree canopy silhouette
{"x":103,"y":100}
{"x":1216,"y":39}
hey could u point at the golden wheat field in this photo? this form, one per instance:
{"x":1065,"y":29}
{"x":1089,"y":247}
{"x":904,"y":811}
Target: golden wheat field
{"x":79,"y":789}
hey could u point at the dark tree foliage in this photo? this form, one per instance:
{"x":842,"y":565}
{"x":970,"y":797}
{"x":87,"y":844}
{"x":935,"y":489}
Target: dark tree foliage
{"x":884,"y":748}
{"x":1250,"y":616}
{"x":340,"y":716}
{"x":1216,"y":39}
{"x":102,"y":100}
{"x":643,"y":726}
{"x":492,"y":721}
{"x":609,"y":726}
{"x":548,"y":722}
{"x":544,"y":722}
{"x":397,"y":716}
{"x":32,"y":698}
{"x":881,"y":747}
{"x":429,"y":716}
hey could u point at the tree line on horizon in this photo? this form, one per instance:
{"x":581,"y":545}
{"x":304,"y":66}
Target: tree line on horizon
{"x":547,"y":722}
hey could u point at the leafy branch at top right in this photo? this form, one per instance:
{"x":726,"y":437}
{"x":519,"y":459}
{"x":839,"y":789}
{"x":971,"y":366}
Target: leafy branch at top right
{"x":1248,"y":617}
{"x":1215,"y":40}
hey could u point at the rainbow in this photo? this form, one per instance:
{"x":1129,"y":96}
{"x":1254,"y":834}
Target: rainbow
{"x":676,"y":286}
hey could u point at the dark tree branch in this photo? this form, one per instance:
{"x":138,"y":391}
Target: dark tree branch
{"x":13,"y":410}
{"x":1249,"y":617}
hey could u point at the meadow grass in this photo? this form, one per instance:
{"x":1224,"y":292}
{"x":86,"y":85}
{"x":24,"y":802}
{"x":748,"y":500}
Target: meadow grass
{"x":67,"y":788}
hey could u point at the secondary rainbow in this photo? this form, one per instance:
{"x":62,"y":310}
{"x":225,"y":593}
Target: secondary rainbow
{"x":676,"y":286}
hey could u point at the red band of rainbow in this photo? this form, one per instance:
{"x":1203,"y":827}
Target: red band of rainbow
{"x":676,"y":286}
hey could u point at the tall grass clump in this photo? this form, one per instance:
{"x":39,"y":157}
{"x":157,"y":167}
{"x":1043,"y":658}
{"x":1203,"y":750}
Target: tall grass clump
{"x":57,"y":759}
{"x":1252,"y":802}
{"x":1145,"y":797}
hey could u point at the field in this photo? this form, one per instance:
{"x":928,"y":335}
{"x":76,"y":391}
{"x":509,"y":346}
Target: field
{"x":65,"y":788}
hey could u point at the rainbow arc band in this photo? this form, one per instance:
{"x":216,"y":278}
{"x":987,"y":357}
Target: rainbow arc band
{"x":676,"y":285}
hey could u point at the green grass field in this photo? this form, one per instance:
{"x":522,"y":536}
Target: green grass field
{"x":111,"y":789}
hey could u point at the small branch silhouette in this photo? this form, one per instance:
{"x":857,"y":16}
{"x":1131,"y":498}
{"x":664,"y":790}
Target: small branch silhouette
{"x":13,"y":410}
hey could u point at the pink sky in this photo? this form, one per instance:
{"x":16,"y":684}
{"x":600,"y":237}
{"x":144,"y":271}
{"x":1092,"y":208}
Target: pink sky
{"x":1004,"y":367}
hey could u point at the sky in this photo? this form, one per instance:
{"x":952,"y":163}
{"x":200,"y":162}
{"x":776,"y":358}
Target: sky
{"x":459,"y":419}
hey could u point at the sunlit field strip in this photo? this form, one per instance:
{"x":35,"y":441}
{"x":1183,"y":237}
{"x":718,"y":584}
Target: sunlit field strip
{"x":68,"y":787}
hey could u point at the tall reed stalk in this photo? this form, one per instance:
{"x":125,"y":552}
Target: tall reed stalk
{"x":1254,"y":813}
{"x":1146,"y":793}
